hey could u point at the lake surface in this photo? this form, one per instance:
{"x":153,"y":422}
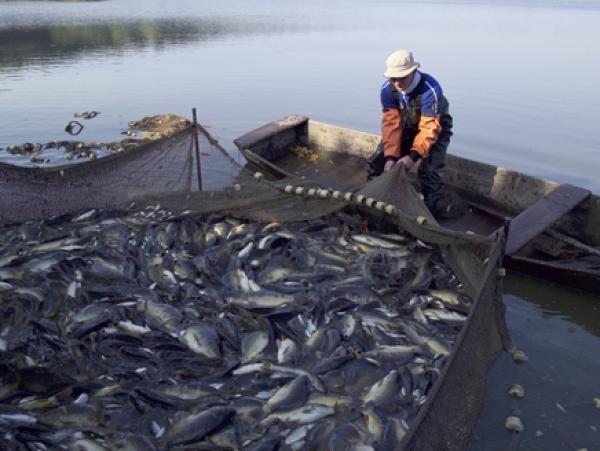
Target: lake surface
{"x":521,"y":77}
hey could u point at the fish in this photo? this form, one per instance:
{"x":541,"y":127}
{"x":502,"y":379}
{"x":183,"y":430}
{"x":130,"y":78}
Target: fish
{"x":294,"y":394}
{"x":261,"y":300}
{"x":240,"y":281}
{"x":286,"y":350}
{"x":374,"y":422}
{"x":300,"y":416}
{"x":84,"y":216}
{"x":253,"y":344}
{"x":132,"y":328}
{"x":246,"y":251}
{"x":393,"y":432}
{"x":189,"y":391}
{"x":273,"y":239}
{"x":185,"y":270}
{"x":18,"y":418}
{"x":160,"y":315}
{"x":7,"y":260}
{"x":66,"y":244}
{"x":275,"y":274}
{"x":448,"y":317}
{"x":296,"y":436}
{"x":384,"y":391}
{"x":75,"y":416}
{"x":393,"y":353}
{"x":314,"y":380}
{"x":164,"y":330}
{"x":373,"y":241}
{"x":202,"y":339}
{"x":189,"y":428}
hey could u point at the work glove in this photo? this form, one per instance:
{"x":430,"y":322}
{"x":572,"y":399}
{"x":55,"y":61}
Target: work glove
{"x":389,"y":164}
{"x":407,"y":161}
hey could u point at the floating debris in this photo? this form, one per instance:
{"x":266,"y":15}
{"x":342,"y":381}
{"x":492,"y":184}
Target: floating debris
{"x":87,"y":114}
{"x":74,"y":128}
{"x":304,"y":152}
{"x":560,"y":407}
{"x":152,"y":128}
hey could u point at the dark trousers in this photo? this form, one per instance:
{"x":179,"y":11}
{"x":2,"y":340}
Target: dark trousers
{"x":431,"y":169}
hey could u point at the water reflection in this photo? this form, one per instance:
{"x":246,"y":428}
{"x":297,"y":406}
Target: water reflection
{"x":552,"y":326}
{"x":49,"y":44}
{"x":578,"y":307}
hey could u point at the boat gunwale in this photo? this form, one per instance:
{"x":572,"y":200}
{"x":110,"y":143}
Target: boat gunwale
{"x":507,"y":191}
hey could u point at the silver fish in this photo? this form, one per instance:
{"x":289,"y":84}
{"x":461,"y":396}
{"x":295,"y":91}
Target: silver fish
{"x":160,"y":315}
{"x":384,"y":390}
{"x":261,"y":300}
{"x":286,"y":350}
{"x":373,"y":241}
{"x":253,"y":344}
{"x":190,"y":428}
{"x":392,"y":352}
{"x":302,"y":415}
{"x":293,"y":394}
{"x":202,"y":339}
{"x":190,"y":391}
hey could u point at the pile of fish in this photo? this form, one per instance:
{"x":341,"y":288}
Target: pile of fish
{"x":119,"y":331}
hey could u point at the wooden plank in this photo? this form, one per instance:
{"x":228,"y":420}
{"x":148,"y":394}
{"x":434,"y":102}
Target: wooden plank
{"x":581,"y":279}
{"x":573,"y":242}
{"x":264,"y":164}
{"x":268,"y":131}
{"x":541,"y":215}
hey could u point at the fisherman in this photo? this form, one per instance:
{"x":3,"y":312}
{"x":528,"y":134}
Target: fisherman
{"x":415,"y":126}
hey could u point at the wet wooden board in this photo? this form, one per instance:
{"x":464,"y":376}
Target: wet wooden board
{"x":273,"y":140}
{"x":581,"y":279}
{"x":265,"y":164}
{"x":541,"y":215}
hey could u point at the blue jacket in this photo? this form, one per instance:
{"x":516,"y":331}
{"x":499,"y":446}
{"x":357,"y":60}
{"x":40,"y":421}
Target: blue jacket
{"x":412,"y":122}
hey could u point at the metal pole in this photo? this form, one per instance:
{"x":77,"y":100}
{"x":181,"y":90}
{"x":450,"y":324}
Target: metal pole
{"x":197,"y":149}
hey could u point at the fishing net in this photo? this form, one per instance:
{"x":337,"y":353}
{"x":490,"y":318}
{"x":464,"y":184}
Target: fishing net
{"x":160,"y":178}
{"x":157,"y":168}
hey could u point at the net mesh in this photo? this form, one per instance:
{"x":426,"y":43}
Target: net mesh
{"x":156,"y":168}
{"x":163,"y":175}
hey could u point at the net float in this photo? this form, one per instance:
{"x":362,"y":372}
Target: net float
{"x":514,"y":424}
{"x":518,"y":356}
{"x":390,"y":209}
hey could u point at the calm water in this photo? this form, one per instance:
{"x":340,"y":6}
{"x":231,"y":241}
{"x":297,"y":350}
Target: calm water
{"x":521,"y":78}
{"x":559,"y":330}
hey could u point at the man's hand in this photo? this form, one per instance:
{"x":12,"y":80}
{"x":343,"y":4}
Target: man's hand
{"x":389,"y":164}
{"x":407,"y":161}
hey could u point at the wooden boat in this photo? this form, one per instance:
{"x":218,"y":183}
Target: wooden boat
{"x":554,"y":229}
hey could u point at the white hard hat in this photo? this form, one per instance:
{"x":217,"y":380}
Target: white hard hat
{"x":400,"y":64}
